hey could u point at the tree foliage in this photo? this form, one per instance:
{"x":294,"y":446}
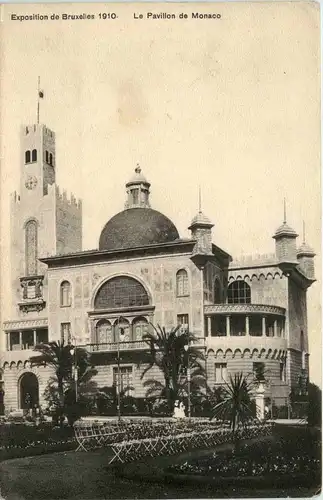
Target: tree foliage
{"x":64,"y":360}
{"x":167,"y":352}
{"x":235,"y":401}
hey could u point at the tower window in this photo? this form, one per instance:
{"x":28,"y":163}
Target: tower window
{"x":259,"y":371}
{"x":27,"y":157}
{"x":65,"y":332}
{"x":182,"y":283}
{"x":217,"y":292}
{"x":239,"y":293}
{"x":34,"y":155}
{"x":182,"y":321}
{"x":50,"y":159}
{"x":135,"y":196}
{"x":46,"y":157}
{"x":282,"y":371}
{"x":65,"y":289}
{"x":221,"y":373}
{"x":31,"y":248}
{"x":302,"y":341}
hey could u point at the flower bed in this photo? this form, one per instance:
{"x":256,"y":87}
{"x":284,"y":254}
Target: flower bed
{"x":281,"y":458}
{"x":23,"y":439}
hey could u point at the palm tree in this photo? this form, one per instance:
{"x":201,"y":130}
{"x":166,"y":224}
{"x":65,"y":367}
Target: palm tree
{"x":167,"y":352}
{"x":235,"y":403}
{"x":61,"y":358}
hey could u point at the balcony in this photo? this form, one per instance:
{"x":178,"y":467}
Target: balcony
{"x":133,"y":345}
{"x":248,"y":309}
{"x":245,"y":321}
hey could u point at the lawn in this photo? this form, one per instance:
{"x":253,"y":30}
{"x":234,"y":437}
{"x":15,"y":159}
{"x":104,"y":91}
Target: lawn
{"x":78,"y":475}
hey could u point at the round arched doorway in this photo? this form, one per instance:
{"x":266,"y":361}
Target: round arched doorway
{"x":29,"y":391}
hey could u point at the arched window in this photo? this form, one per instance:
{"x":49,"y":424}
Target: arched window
{"x":31,"y":248}
{"x":46,"y":157}
{"x":182,"y":283}
{"x":104,"y":332}
{"x":140,"y":328}
{"x":120,"y":292}
{"x":239,"y":293}
{"x":50,"y":159}
{"x":122,"y":330}
{"x":65,"y":294}
{"x":27,"y":157}
{"x":217,"y":292}
{"x":34,"y":155}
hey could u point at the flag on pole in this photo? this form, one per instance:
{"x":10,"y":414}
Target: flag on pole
{"x":41,"y":94}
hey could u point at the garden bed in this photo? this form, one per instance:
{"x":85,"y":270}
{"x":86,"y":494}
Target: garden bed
{"x":291,"y":458}
{"x":24,"y":439}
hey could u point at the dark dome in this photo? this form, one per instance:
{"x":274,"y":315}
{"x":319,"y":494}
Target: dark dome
{"x":136,"y":227}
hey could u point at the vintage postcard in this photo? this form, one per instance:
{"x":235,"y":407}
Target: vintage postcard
{"x":160,"y":250}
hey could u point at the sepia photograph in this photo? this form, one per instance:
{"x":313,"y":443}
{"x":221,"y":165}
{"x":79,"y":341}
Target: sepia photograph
{"x":160,"y":267}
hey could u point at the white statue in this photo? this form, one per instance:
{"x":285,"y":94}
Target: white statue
{"x":179,"y":410}
{"x":260,"y":401}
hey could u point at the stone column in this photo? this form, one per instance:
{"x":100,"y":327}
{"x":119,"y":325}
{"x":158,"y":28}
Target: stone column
{"x":247,"y":325}
{"x":35,"y":337}
{"x":209,"y":326}
{"x":228,"y":333}
{"x":20,"y":339}
{"x":264,"y":326}
{"x":275,"y":328}
{"x":8,"y":341}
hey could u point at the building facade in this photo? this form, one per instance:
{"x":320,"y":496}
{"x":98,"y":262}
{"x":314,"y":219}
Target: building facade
{"x":247,"y":315}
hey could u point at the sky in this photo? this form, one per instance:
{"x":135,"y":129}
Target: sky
{"x":231,"y":105}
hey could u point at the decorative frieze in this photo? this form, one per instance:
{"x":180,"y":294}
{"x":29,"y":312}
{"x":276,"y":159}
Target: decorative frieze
{"x":26,"y":324}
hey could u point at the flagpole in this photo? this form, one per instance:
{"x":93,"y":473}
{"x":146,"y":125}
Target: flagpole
{"x":38,"y":97}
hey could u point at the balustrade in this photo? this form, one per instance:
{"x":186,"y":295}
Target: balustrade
{"x":239,"y":320}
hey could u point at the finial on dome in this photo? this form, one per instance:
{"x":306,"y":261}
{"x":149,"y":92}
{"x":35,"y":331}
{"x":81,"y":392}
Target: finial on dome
{"x":138,"y":169}
{"x":304,"y":239}
{"x":285,"y":219}
{"x":200,"y":200}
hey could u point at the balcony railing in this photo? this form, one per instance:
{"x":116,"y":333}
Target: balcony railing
{"x":113,"y":346}
{"x":264,"y":309}
{"x":131,"y":345}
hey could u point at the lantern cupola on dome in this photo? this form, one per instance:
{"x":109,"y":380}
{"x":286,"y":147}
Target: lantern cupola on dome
{"x":138,"y":225}
{"x":138,"y":190}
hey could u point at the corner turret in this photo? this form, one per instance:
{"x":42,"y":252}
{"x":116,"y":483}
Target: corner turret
{"x":285,"y":237}
{"x":305,"y":257}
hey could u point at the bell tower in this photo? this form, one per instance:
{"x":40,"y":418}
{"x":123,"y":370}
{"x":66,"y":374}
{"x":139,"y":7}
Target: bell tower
{"x":37,"y":159}
{"x":43,"y":220}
